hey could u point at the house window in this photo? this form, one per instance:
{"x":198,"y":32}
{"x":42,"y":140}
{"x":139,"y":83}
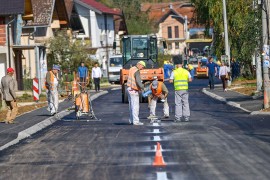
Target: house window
{"x":176,"y":45}
{"x":169,"y":46}
{"x":176,"y":31}
{"x":169,"y":32}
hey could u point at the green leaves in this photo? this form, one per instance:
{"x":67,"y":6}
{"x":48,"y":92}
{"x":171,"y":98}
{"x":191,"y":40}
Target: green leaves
{"x":65,"y":51}
{"x":243,"y":23}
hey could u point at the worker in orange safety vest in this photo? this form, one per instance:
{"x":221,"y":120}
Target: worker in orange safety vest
{"x":159,"y":91}
{"x":51,"y":85}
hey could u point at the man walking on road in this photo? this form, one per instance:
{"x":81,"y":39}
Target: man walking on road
{"x":159,"y":91}
{"x":180,"y":77}
{"x":82,"y":75}
{"x":96,"y":76}
{"x":52,"y":89}
{"x":211,"y":72}
{"x":8,"y":85}
{"x":135,"y":85}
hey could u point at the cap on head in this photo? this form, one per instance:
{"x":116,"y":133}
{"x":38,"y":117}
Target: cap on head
{"x":10,"y":70}
{"x":177,"y":59}
{"x":142,"y":63}
{"x":155,"y":84}
{"x":56,"y":67}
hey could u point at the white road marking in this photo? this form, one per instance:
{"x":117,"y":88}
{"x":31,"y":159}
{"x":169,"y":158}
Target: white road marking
{"x":156,"y":124}
{"x":162,"y":176}
{"x":156,"y":131}
{"x":156,"y":138}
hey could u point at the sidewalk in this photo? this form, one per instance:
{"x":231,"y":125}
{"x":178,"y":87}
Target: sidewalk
{"x":238,"y":100}
{"x":34,"y":121}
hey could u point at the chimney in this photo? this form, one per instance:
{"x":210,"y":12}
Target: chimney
{"x":171,"y":6}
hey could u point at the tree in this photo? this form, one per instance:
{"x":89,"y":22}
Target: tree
{"x":243,"y":23}
{"x":66,"y":52}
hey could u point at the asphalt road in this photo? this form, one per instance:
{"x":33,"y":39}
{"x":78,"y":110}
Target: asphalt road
{"x":220,"y":142}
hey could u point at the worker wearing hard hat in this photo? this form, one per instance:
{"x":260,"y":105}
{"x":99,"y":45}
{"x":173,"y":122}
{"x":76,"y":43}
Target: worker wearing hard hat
{"x":52,"y":89}
{"x":159,"y":91}
{"x":135,"y":85}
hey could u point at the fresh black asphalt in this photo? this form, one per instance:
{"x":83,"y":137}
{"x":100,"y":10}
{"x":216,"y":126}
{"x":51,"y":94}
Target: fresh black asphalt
{"x":220,"y":142}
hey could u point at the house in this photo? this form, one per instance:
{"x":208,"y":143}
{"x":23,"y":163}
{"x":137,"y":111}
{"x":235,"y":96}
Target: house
{"x":175,"y":21}
{"x":31,"y":24}
{"x":102,"y":27}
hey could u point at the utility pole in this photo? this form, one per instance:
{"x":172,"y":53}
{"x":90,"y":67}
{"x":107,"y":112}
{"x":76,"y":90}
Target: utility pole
{"x":227,"y":48}
{"x":257,"y":52}
{"x":265,"y":39}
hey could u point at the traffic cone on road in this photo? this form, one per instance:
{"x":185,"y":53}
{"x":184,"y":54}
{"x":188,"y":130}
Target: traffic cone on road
{"x":158,"y":158}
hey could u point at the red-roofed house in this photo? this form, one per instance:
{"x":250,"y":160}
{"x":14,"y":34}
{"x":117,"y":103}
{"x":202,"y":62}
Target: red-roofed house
{"x":99,"y":23}
{"x":174,"y":21}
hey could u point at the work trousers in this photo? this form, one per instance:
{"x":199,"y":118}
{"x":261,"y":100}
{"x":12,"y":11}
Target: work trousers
{"x":97,"y":84}
{"x":211,"y":77}
{"x":181,"y":104}
{"x":153,"y":105}
{"x":12,"y":110}
{"x":134,"y":105}
{"x":53,"y":101}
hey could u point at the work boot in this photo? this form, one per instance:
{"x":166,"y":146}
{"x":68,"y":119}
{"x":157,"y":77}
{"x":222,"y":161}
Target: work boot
{"x":2,"y":121}
{"x":186,"y":119}
{"x":177,"y":120}
{"x":137,"y":123}
{"x":165,"y":117}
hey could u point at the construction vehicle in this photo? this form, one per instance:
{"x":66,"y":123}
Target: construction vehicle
{"x":202,"y":68}
{"x":135,"y":49}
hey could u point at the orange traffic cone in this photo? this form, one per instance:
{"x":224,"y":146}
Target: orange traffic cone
{"x":158,"y":158}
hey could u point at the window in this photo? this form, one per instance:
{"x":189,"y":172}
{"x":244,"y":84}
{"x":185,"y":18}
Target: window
{"x":169,"y":32}
{"x":176,"y":45}
{"x":176,"y":31}
{"x":169,"y":46}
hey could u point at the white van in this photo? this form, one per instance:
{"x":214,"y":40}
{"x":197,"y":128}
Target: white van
{"x":115,"y":64}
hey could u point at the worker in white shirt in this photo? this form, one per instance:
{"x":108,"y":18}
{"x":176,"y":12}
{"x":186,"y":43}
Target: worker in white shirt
{"x":96,"y":76}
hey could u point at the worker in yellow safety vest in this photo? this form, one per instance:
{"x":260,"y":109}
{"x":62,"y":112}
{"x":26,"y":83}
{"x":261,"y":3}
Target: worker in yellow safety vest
{"x":52,"y":89}
{"x":135,"y":85}
{"x":180,"y":78}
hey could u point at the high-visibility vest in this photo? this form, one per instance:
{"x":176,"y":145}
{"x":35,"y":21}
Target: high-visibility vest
{"x":157,"y":92}
{"x":131,"y":82}
{"x":180,"y":79}
{"x":47,"y":85}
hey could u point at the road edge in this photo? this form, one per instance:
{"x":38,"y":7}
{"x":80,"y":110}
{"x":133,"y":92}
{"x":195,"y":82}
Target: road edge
{"x":222,"y":99}
{"x":43,"y":124}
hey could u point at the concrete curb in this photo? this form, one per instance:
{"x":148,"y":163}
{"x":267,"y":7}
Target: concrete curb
{"x":230,"y":103}
{"x":43,"y":124}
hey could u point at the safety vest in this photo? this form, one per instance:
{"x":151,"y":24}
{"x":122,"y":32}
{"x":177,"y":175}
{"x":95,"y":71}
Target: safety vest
{"x":47,"y":85}
{"x":180,"y":79}
{"x":157,"y":92}
{"x":131,"y":82}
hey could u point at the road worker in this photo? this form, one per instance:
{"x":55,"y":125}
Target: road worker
{"x":159,"y":91}
{"x":180,"y":77}
{"x":135,"y":85}
{"x":52,"y":89}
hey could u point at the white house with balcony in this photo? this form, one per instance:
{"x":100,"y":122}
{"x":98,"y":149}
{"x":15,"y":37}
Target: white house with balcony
{"x":99,"y":28}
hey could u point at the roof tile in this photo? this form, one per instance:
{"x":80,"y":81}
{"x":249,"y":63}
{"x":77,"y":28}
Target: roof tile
{"x":100,"y":7}
{"x":11,"y":7}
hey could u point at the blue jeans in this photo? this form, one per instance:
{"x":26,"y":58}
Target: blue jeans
{"x":211,"y":77}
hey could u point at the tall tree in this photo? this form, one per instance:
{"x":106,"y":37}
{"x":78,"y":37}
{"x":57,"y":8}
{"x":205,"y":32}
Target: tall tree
{"x":243,"y":23}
